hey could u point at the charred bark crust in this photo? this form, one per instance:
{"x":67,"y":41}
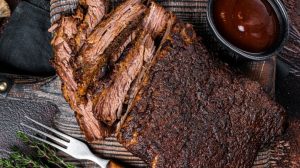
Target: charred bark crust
{"x":194,"y":111}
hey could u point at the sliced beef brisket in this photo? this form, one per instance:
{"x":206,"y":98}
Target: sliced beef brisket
{"x":137,"y":83}
{"x":91,"y":57}
{"x":145,"y":73}
{"x":96,"y":10}
{"x":65,"y":49}
{"x":193,"y":111}
{"x":111,"y":99}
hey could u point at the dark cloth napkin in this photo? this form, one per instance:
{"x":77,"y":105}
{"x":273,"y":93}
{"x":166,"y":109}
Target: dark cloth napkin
{"x":25,"y":43}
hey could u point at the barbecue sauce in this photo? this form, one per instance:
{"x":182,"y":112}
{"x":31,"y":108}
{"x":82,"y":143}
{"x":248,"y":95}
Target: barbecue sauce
{"x":251,"y":25}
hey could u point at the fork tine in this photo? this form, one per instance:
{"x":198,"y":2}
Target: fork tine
{"x":62,"y":142}
{"x":49,"y":143}
{"x":67,"y":137}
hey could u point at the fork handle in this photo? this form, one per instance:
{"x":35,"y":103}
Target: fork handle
{"x":99,"y":161}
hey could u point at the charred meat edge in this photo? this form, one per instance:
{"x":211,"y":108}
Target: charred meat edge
{"x":91,"y":57}
{"x":110,"y":100}
{"x":64,"y":49}
{"x":130,"y":139}
{"x":137,"y":83}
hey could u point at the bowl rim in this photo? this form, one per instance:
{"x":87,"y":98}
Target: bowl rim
{"x":282,"y":16}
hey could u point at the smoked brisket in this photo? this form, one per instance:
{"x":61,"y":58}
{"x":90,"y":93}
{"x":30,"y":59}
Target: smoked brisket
{"x":65,"y":48}
{"x":194,"y":111}
{"x":144,"y":75}
{"x":91,"y":57}
{"x":111,"y":99}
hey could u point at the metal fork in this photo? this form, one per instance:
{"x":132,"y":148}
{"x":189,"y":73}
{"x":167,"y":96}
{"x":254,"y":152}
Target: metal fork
{"x":69,"y":145}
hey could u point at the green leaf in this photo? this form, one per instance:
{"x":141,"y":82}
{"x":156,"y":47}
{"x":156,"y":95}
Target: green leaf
{"x":44,"y":156}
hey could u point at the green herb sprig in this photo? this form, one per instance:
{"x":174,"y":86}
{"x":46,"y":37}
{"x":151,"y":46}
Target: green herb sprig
{"x":43,"y":157}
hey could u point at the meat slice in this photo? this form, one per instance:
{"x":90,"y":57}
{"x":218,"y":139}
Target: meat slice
{"x":96,"y":10}
{"x":65,"y":49}
{"x":194,"y":111}
{"x":91,"y":57}
{"x":115,"y":56}
{"x":111,"y":99}
{"x":137,"y":83}
{"x":109,"y":103}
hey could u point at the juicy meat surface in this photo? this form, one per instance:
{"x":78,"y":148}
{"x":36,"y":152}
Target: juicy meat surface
{"x":96,"y":10}
{"x":111,"y":99}
{"x":84,"y":45}
{"x":194,"y":111}
{"x":65,"y":49}
{"x":91,"y":57}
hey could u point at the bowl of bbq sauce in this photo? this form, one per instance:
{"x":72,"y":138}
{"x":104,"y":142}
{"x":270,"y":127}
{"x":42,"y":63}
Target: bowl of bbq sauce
{"x":253,"y":29}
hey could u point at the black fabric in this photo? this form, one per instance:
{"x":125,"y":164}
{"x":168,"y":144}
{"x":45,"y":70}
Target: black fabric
{"x":25,"y":43}
{"x":43,"y":4}
{"x":13,"y":4}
